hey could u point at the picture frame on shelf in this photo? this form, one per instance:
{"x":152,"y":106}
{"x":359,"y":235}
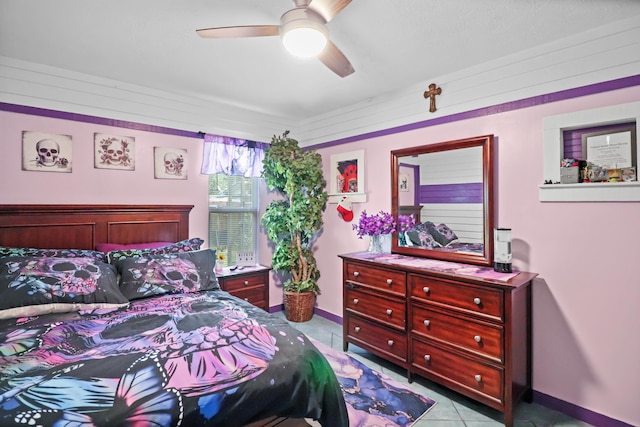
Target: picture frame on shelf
{"x":347,"y":177}
{"x":611,"y":149}
{"x":629,"y":174}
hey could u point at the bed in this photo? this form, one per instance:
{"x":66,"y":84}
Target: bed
{"x":427,"y":235}
{"x":136,"y":350}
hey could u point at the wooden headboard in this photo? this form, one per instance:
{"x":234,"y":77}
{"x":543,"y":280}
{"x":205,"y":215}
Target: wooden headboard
{"x":410,"y":210}
{"x":83,"y":226}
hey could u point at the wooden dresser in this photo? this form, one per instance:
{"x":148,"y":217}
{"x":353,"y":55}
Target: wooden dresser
{"x":250,"y":284}
{"x":468,"y":333}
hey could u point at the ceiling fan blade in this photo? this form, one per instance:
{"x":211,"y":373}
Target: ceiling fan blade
{"x":333,"y":58}
{"x":328,"y":9}
{"x":239,"y":31}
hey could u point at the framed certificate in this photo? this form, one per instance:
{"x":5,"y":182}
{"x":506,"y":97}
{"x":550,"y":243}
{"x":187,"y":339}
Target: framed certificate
{"x":611,"y":150}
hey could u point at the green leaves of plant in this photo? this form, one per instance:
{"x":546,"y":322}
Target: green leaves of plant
{"x":292,"y":223}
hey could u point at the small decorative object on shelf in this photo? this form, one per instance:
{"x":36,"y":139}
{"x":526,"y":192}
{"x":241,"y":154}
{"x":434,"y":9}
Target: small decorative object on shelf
{"x":502,"y":250}
{"x":221,"y":257}
{"x":629,"y":174}
{"x":245,"y":259}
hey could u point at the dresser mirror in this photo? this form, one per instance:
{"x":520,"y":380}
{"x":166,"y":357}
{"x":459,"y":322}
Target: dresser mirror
{"x":448,"y":188}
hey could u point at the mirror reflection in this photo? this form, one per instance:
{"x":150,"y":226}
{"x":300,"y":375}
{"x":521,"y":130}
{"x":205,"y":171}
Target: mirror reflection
{"x":446,"y":187}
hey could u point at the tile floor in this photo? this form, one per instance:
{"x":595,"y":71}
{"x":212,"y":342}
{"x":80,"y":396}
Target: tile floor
{"x":452,"y":409}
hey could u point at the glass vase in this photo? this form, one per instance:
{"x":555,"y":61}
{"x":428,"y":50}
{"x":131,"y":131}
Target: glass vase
{"x":375,"y":244}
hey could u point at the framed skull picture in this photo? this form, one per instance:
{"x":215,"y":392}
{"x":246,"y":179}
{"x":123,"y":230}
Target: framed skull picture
{"x":170,"y":163}
{"x":46,"y":152}
{"x":114,"y":152}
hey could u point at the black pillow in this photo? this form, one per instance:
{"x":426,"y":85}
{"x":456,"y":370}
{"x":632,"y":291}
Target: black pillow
{"x":57,"y":253}
{"x":31,"y":286}
{"x":149,"y":275}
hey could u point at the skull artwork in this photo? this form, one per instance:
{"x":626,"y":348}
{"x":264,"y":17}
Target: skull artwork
{"x":173,"y":164}
{"x":116,"y":152}
{"x":48,"y":152}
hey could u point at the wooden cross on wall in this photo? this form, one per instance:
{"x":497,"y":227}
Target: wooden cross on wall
{"x":431,"y":93}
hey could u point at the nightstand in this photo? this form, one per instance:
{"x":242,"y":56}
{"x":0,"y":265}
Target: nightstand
{"x":248,"y":283}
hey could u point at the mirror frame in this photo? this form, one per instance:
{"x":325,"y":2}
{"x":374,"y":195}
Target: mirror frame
{"x":486,"y":142}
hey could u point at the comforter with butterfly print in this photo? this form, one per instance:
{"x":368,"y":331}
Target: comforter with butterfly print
{"x":197,"y":359}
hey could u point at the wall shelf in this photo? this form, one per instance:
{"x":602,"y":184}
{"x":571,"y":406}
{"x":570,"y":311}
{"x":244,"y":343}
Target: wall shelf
{"x":554,"y":126}
{"x":591,"y":192}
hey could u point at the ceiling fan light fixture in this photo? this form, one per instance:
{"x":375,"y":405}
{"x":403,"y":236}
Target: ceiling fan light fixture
{"x":304,"y":42}
{"x":304,"y":33}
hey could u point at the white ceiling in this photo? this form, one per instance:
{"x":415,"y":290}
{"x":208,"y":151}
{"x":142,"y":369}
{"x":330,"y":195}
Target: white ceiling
{"x":392,"y":44}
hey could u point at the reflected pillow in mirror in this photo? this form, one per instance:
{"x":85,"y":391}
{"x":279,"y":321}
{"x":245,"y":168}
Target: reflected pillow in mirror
{"x":423,"y":239}
{"x":448,"y":234}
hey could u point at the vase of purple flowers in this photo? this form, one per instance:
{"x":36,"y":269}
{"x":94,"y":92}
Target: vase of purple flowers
{"x":379,"y":228}
{"x":376,"y":242}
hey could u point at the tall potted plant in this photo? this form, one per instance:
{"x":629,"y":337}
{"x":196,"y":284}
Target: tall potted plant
{"x":292,"y":223}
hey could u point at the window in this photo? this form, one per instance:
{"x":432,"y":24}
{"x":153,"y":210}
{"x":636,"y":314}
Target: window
{"x":233,"y":215}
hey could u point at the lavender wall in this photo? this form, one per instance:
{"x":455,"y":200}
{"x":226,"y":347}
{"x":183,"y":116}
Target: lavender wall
{"x":586,"y":296}
{"x":85,"y":184}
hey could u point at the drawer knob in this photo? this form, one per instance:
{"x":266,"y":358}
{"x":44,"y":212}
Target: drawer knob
{"x":477,"y":301}
{"x":356,"y":273}
{"x":389,"y":311}
{"x":478,"y":377}
{"x":427,"y":323}
{"x":390,"y":342}
{"x":389,"y":281}
{"x":426,"y":289}
{"x":427,"y":357}
{"x":357,"y":329}
{"x":246,"y":283}
{"x":478,"y":338}
{"x":356,"y":301}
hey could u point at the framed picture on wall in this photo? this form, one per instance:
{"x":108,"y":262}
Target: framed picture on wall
{"x":403,"y":182}
{"x":347,"y":177}
{"x":611,"y":150}
{"x":46,"y":152}
{"x":114,"y":152}
{"x":170,"y":163}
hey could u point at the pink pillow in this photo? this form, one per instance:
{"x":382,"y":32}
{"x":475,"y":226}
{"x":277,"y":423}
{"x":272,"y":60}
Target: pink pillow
{"x":108,"y":247}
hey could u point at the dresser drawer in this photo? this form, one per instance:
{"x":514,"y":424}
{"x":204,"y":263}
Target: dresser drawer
{"x":244,"y":281}
{"x":253,"y":295}
{"x":376,"y":307}
{"x":483,"y":301}
{"x":388,"y":280}
{"x":480,"y":338}
{"x":360,"y":331}
{"x":472,"y":376}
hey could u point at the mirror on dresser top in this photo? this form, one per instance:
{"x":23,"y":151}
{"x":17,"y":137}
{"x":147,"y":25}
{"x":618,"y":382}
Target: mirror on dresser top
{"x":448,"y":187}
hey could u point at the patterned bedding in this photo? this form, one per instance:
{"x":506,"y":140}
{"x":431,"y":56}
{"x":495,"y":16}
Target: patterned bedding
{"x":192,"y":359}
{"x":437,"y":237}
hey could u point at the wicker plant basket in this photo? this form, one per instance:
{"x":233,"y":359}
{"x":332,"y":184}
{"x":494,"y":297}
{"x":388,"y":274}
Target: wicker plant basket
{"x":298,"y":306}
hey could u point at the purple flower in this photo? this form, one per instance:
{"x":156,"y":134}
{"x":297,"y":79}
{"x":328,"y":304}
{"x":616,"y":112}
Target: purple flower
{"x":371,"y":225}
{"x":406,"y":223}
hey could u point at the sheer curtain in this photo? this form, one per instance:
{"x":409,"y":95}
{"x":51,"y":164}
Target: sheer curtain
{"x":232,"y":156}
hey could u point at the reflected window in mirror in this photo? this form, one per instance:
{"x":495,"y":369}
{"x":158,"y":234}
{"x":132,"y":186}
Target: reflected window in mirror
{"x":447,"y":188}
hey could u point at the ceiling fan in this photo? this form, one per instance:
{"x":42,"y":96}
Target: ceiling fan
{"x":303,"y":30}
